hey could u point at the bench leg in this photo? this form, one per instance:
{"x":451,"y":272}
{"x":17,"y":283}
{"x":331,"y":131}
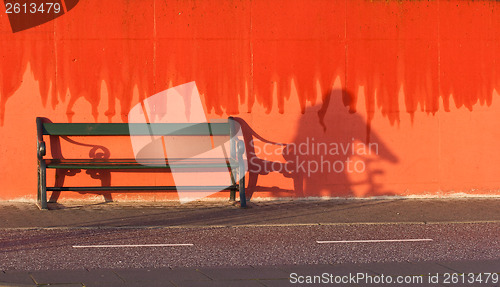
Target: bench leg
{"x":234,"y":178}
{"x":42,"y":186}
{"x":243,"y":198}
{"x":241,"y":173}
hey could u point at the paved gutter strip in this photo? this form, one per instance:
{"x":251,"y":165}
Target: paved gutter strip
{"x":248,"y":225}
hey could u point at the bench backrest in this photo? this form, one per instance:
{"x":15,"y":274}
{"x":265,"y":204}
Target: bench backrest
{"x":120,"y":129}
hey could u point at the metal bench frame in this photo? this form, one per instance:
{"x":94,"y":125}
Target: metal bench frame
{"x":235,"y":163}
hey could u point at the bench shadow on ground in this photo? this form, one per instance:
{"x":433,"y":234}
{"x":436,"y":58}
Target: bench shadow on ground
{"x":333,"y":136}
{"x":215,"y":214}
{"x":104,"y":222}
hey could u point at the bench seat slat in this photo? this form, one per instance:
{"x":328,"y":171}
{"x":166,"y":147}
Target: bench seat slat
{"x":116,"y":188}
{"x":133,"y":164}
{"x":118,"y":129}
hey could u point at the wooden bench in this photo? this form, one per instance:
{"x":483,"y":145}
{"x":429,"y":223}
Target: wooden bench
{"x":234,"y":162}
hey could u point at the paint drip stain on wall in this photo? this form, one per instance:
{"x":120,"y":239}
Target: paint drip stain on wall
{"x":247,"y":53}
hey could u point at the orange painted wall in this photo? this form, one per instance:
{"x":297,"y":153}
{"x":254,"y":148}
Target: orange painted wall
{"x":417,"y":78}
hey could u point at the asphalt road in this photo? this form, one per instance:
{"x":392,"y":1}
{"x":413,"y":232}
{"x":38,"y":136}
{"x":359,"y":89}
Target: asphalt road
{"x":250,"y":245}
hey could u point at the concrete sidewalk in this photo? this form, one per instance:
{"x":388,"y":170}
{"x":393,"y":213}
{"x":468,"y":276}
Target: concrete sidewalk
{"x":269,"y":213}
{"x":171,"y":214}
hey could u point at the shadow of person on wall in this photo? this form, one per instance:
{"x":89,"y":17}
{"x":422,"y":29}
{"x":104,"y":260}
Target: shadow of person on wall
{"x":333,"y":153}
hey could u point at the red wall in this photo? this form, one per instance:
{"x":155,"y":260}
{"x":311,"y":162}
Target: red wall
{"x":417,"y":78}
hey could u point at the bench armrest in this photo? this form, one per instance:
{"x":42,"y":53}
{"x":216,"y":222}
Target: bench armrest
{"x":40,"y":144}
{"x":40,"y":149}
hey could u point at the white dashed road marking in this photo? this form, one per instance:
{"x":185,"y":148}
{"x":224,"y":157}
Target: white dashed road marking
{"x":376,"y":241}
{"x":131,"y":245}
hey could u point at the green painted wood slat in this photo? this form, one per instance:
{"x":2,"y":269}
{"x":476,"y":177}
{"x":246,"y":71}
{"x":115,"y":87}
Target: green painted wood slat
{"x":120,"y":129}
